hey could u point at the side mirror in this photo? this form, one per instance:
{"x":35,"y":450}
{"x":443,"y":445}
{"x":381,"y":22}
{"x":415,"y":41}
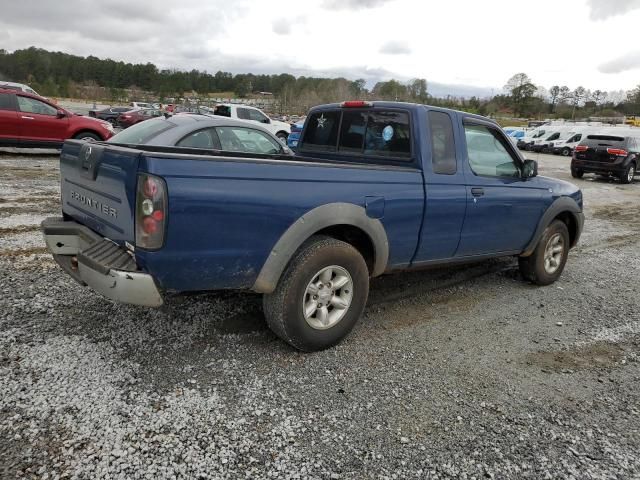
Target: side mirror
{"x":61,"y":114}
{"x":529,"y":169}
{"x":266,"y":120}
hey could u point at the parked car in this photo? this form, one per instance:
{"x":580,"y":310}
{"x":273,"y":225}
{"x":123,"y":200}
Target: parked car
{"x":202,"y":132}
{"x":19,"y":87}
{"x":126,"y":119}
{"x":252,"y":114}
{"x":140,"y":105}
{"x":375,"y":188}
{"x":545,"y":143}
{"x":27,"y":120}
{"x":109,"y":114}
{"x":526,"y":142}
{"x":294,"y":136}
{"x":612,"y":155}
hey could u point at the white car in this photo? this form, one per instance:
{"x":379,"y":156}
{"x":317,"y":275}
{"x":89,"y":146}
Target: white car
{"x":255,"y":115}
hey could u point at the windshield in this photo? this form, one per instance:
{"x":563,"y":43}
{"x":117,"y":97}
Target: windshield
{"x":142,"y":132}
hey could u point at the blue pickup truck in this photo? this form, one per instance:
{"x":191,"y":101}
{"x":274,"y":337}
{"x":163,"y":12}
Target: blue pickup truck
{"x":375,"y":188}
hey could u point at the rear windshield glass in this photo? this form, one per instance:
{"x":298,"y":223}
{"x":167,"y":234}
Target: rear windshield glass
{"x":607,"y":138}
{"x":322,"y":131}
{"x":222,"y":110}
{"x":382,"y":133}
{"x":142,"y":132}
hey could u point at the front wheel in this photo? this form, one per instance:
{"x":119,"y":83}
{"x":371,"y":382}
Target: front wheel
{"x":282,"y":136}
{"x":545,"y":265}
{"x":320,"y":296}
{"x":628,"y":174}
{"x":87,"y":136}
{"x":565,"y":152}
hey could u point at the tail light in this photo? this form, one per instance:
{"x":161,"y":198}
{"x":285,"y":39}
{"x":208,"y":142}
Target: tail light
{"x":581,"y":148}
{"x":151,"y":212}
{"x":617,"y":151}
{"x":126,"y":116}
{"x":356,"y":104}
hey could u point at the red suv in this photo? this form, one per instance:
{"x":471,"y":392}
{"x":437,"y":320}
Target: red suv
{"x":28,"y":120}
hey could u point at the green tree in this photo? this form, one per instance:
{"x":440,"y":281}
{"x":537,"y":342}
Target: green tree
{"x":521,"y":90}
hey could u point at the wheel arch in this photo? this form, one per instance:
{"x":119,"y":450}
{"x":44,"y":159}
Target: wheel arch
{"x":564,"y":209}
{"x":343,"y":221}
{"x":86,"y":130}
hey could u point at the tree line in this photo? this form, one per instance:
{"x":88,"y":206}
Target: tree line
{"x":58,"y":74}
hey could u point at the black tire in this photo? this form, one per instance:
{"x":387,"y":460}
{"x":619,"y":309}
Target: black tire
{"x":533,"y":267}
{"x":575,"y":173}
{"x":283,"y":308}
{"x":565,"y":152}
{"x":282,"y":135}
{"x":86,"y":136}
{"x":628,"y":174}
{"x":545,"y":150}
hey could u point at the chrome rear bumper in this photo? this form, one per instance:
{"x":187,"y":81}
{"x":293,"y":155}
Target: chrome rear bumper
{"x":99,"y":263}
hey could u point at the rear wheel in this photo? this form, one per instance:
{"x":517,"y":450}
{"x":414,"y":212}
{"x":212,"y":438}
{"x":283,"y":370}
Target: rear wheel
{"x":628,"y":174}
{"x":282,"y":136}
{"x":87,"y":136}
{"x":320,"y":296}
{"x":545,"y":265}
{"x":577,"y":173}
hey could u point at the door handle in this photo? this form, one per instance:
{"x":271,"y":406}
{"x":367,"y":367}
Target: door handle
{"x":27,"y":118}
{"x":477,"y":192}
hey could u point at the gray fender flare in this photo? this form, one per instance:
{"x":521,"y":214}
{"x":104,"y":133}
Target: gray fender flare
{"x":313,"y":221}
{"x":560,"y":205}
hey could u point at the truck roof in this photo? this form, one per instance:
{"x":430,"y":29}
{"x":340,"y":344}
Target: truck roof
{"x":403,"y":105}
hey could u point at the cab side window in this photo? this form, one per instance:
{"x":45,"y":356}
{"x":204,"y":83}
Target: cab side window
{"x":488,"y":156}
{"x":257,"y":116}
{"x":442,"y":143}
{"x":243,"y":113}
{"x":31,"y":105}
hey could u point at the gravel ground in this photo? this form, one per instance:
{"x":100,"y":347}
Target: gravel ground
{"x":465,"y":372}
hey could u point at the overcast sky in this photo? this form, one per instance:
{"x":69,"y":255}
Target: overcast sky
{"x":454,"y":42}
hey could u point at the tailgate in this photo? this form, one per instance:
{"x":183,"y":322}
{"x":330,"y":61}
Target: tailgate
{"x":98,"y":186}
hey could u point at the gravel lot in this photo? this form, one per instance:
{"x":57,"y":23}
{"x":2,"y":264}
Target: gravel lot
{"x":465,"y":372}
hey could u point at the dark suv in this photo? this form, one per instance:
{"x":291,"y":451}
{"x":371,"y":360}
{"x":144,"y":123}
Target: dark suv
{"x":606,"y":155}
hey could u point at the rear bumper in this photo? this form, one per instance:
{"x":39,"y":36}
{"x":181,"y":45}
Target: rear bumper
{"x":615,"y":168}
{"x":99,"y":263}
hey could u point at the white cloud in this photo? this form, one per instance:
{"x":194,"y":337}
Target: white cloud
{"x":371,"y":39}
{"x":603,"y":9}
{"x":353,"y":4}
{"x":629,"y":61}
{"x":281,"y":26}
{"x":395,"y":47}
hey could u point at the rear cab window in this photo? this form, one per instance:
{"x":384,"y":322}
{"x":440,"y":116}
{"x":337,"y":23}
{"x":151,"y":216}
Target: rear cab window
{"x":370,"y":135}
{"x":222,"y":110}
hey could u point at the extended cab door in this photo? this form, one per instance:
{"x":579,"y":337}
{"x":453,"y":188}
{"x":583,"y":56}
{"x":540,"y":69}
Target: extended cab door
{"x":9,"y":127}
{"x":502,"y":209}
{"x":445,"y":188}
{"x":39,"y":121}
